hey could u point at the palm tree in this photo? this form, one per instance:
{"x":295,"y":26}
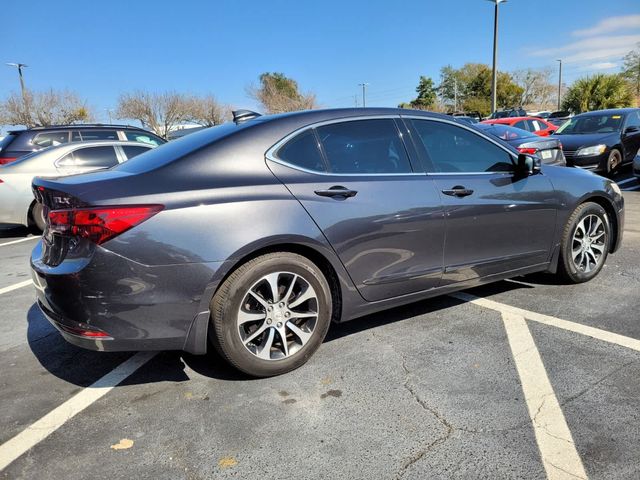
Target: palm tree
{"x":598,"y":92}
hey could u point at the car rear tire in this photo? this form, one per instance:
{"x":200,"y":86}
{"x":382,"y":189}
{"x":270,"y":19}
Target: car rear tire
{"x":585,"y":243}
{"x":271,"y":314}
{"x":36,"y":215}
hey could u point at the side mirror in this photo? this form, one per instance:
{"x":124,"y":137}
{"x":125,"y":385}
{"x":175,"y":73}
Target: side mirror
{"x":631,"y":129}
{"x":528,"y":164}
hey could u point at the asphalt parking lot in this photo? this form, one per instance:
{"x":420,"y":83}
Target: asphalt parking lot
{"x":518,"y":379}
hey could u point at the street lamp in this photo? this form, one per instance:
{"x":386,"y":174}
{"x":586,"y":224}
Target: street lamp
{"x":494,"y":79}
{"x":20,"y":66}
{"x":559,"y":84}
{"x":364,"y":93}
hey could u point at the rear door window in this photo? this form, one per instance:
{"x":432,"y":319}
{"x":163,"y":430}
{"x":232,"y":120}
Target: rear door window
{"x":49,"y":139}
{"x":453,"y":149}
{"x":364,"y":147}
{"x":302,"y":151}
{"x":132,"y":150}
{"x":90,"y":157}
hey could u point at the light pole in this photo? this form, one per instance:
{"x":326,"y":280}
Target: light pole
{"x":494,"y":78}
{"x":20,"y":66}
{"x":559,"y":84}
{"x":364,"y":93}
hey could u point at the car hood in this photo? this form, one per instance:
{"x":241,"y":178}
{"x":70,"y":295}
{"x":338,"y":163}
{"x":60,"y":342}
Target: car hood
{"x":575,"y":142}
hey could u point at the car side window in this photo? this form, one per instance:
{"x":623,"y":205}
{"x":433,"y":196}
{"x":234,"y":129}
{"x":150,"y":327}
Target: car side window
{"x":98,"y":135}
{"x":364,"y":147}
{"x":90,"y":157}
{"x":142,"y":137}
{"x":453,"y":149}
{"x":302,"y":151}
{"x":48,"y":139}
{"x":521,"y":124}
{"x":633,"y":120}
{"x":131,"y":151}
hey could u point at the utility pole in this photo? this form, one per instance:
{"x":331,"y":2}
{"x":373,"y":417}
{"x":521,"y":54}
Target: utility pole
{"x":494,"y":79}
{"x":20,"y":66}
{"x":455,"y":94}
{"x":364,"y":93}
{"x":355,"y":98}
{"x":109,"y":114}
{"x":559,"y":84}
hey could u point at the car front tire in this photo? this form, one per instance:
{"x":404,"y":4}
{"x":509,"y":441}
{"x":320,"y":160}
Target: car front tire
{"x":585,"y":243}
{"x":271,"y":314}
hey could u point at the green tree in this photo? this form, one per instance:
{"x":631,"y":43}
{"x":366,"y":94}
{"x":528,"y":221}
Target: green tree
{"x":471,"y":85}
{"x":278,"y":93}
{"x":631,"y":69}
{"x":426,"y":91}
{"x":597,"y":92}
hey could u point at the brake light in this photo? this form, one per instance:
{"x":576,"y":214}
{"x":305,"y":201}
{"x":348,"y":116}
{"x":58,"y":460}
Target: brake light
{"x":530,"y":151}
{"x":559,"y":145}
{"x":5,"y":160}
{"x":101,"y":223}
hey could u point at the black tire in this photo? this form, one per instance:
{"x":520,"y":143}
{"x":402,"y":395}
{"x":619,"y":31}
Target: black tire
{"x":613,"y":161}
{"x":567,"y":267}
{"x":36,"y":215}
{"x":226,"y":303}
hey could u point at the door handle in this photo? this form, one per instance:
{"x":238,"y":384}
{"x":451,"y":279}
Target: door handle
{"x":458,"y":191}
{"x":337,"y":191}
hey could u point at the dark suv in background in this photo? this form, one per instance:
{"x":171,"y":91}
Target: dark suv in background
{"x":20,"y":142}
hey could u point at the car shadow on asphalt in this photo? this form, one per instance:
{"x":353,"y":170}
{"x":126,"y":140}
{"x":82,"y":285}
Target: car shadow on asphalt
{"x":8,"y":231}
{"x":83,"y":367}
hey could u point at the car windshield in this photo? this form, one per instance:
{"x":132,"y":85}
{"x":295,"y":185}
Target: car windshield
{"x":591,"y":124}
{"x":505,"y":132}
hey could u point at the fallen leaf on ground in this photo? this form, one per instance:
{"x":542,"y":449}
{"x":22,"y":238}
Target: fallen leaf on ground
{"x":123,"y":444}
{"x":226,"y":462}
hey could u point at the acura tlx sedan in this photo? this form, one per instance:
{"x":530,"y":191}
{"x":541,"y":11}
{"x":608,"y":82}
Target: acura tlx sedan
{"x":254,"y":236}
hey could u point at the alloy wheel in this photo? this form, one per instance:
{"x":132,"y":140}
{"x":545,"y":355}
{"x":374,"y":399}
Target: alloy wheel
{"x":277,"y":315}
{"x":589,"y":243}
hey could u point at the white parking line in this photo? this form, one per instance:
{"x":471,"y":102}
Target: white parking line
{"x":41,"y":429}
{"x":593,"y":332}
{"x":19,"y":241}
{"x":628,"y":180}
{"x":15,"y":286}
{"x":631,"y":189}
{"x":557,"y":449}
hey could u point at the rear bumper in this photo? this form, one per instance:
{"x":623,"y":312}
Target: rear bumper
{"x":138,"y":307}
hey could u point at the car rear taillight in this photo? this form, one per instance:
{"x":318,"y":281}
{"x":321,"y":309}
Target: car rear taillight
{"x":99,"y":224}
{"x":83,"y":332}
{"x":5,"y":160}
{"x":530,"y":151}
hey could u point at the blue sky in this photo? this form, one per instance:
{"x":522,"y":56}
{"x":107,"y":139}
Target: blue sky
{"x":104,"y":48}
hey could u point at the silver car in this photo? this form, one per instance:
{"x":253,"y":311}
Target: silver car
{"x":17,"y":205}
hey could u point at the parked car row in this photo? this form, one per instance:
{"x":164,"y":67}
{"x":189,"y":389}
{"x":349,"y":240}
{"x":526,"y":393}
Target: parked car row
{"x":21,"y":142}
{"x":17,"y":203}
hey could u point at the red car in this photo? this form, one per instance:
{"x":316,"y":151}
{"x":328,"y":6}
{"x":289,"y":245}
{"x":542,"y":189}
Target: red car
{"x":531,"y":124}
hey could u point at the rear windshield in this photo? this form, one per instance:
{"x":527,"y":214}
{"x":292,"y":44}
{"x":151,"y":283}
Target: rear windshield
{"x":4,"y":143}
{"x":171,"y":151}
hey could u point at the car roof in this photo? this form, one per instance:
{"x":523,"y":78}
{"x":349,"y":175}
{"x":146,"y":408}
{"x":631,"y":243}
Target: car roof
{"x":94,"y":143}
{"x":312,"y":116}
{"x":513,"y":119}
{"x":610,"y":111}
{"x":78,"y":126}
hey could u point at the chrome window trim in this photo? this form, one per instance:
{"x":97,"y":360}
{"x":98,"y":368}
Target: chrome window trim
{"x":270,"y":154}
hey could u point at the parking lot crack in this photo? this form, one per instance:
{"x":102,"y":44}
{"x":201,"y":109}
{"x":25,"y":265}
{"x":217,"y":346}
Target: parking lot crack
{"x":563,"y":470}
{"x":447,"y":427}
{"x":596,"y":383}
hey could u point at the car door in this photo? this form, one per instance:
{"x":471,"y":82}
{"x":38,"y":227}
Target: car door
{"x":631,"y":136}
{"x":496,"y":220}
{"x":384,"y":220}
{"x":87,"y":159}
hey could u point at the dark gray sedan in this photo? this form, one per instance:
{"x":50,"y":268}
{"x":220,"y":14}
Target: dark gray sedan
{"x":254,"y":236}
